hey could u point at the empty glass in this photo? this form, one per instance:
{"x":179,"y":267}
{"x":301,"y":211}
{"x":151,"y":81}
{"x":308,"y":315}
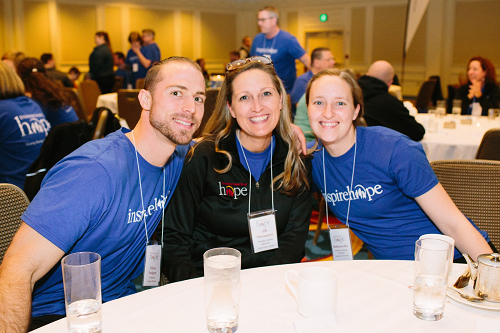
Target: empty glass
{"x":441,"y":108}
{"x":457,"y":107}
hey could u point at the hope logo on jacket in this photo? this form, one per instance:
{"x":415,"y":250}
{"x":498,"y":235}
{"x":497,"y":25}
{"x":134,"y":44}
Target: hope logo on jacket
{"x":233,"y":190}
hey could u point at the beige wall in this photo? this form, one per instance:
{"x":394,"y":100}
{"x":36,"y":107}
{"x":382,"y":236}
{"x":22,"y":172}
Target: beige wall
{"x":451,"y":32}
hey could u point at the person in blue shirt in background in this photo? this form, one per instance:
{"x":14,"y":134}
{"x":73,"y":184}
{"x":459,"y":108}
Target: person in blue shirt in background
{"x":147,"y":55}
{"x":279,"y":45}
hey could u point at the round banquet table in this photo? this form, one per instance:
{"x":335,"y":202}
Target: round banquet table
{"x":460,"y":142}
{"x":373,"y":296}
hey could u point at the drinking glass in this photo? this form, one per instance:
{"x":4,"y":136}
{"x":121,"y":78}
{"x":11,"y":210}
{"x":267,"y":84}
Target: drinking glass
{"x":432,"y":261}
{"x":457,"y":107}
{"x":222,"y":268}
{"x":433,"y":122}
{"x":441,"y":108}
{"x":82,"y":291}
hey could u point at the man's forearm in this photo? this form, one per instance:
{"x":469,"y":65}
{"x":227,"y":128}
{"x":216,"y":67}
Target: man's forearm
{"x":15,"y":301}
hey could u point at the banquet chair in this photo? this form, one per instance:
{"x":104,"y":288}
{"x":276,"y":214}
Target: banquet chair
{"x":118,"y":84}
{"x":489,"y":149}
{"x":129,"y":107}
{"x":89,"y":92}
{"x":424,"y":97}
{"x":211,"y":98}
{"x":474,"y":187}
{"x":139,"y":84}
{"x":13,"y":203}
{"x":75,"y":102}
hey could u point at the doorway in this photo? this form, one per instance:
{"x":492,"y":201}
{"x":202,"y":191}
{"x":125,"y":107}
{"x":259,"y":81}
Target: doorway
{"x":334,"y":40}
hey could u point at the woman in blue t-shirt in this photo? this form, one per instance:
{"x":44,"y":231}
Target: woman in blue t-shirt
{"x":49,"y":95}
{"x":379,"y":180}
{"x":244,"y":184}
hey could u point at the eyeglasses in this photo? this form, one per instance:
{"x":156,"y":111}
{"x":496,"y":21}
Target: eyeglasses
{"x":240,"y":62}
{"x":263,"y":19}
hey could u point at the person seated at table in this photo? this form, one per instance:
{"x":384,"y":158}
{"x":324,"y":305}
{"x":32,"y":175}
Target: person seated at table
{"x":105,"y":197}
{"x":50,"y":70}
{"x":13,"y":58}
{"x":123,"y":70}
{"x":482,"y":87}
{"x":377,"y":179}
{"x":23,"y":128}
{"x":247,"y":163}
{"x":383,"y":109}
{"x":74,"y":75}
{"x":52,"y":99}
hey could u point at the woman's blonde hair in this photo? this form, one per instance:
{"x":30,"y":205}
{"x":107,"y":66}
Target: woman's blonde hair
{"x":11,"y":85}
{"x":221,"y":123}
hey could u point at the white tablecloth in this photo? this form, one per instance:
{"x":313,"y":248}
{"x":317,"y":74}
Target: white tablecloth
{"x":373,"y":296}
{"x":460,"y":142}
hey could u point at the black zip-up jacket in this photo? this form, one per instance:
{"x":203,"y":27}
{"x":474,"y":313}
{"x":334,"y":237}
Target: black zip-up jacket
{"x":383,"y":109}
{"x":209,"y":210}
{"x":489,"y":99}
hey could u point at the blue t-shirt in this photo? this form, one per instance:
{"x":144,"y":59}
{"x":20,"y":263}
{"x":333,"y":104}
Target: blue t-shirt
{"x":283,"y":50}
{"x":130,"y":60}
{"x":23,"y":128}
{"x":256,"y":161}
{"x":390,"y":171}
{"x":300,"y":86}
{"x":151,"y":52}
{"x":65,"y":114}
{"x":90,"y":201}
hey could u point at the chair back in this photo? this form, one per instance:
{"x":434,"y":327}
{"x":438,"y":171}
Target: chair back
{"x":489,"y":149}
{"x":118,"y":84}
{"x":99,"y":131}
{"x":76,"y":103}
{"x":139,"y":84}
{"x":474,"y":187}
{"x":89,"y":93}
{"x":13,"y":203}
{"x":211,"y":98}
{"x":424,"y":97}
{"x":129,"y":107}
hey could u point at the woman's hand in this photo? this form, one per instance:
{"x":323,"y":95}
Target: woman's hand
{"x":475,"y":89}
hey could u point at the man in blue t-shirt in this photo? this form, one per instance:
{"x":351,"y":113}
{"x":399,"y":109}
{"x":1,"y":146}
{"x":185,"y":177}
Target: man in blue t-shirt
{"x":102,"y":198}
{"x":148,"y":54}
{"x":279,"y":45}
{"x":321,"y":58}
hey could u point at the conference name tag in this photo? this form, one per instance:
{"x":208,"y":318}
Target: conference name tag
{"x":340,"y":239}
{"x":135,"y":67}
{"x":263,"y":232}
{"x":152,"y":265}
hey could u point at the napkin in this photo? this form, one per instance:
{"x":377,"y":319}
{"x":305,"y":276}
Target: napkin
{"x":315,"y":323}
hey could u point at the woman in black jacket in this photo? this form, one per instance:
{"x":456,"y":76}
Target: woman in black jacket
{"x":244,"y":185}
{"x":482,"y":87}
{"x":101,"y":63}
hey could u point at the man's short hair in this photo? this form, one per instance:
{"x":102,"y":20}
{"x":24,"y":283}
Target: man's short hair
{"x":46,"y":57}
{"x":153,"y":75}
{"x":272,"y":11}
{"x":120,"y":55}
{"x":317,"y":53}
{"x":149,"y":31}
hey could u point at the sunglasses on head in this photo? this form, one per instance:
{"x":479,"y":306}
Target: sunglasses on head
{"x":238,"y":63}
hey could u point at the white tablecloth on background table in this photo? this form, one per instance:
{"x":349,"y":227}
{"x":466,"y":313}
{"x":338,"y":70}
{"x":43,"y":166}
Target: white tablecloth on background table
{"x":461,"y":142}
{"x":373,"y":296}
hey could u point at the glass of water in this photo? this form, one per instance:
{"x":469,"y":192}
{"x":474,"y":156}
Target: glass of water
{"x":457,"y":107}
{"x":441,"y":108}
{"x":432,"y":262}
{"x":82,"y":291}
{"x":222,"y":268}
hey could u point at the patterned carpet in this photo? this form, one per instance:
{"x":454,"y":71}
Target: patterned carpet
{"x":322,"y":250}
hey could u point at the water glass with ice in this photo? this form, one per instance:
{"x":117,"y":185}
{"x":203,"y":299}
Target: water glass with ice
{"x":432,"y":262}
{"x":441,"y":108}
{"x":82,"y":291}
{"x":222,"y":268}
{"x":457,"y":107}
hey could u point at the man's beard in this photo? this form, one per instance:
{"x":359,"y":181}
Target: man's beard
{"x":177,"y":136}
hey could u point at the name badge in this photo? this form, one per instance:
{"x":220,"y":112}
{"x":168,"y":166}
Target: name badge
{"x":340,"y":239}
{"x":135,"y":67}
{"x":263,"y":232}
{"x":477,"y":110}
{"x":152,"y":265}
